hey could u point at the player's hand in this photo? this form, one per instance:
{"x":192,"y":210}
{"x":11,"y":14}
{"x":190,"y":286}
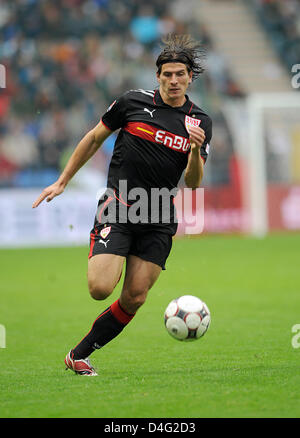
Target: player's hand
{"x":197,"y":137}
{"x":49,"y":192}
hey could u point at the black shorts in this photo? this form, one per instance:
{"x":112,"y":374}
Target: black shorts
{"x":150,"y":242}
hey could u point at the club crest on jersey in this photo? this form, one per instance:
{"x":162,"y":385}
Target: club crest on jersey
{"x":105,"y":232}
{"x":191,"y":121}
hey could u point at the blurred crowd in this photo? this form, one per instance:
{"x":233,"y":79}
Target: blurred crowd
{"x":67,"y":60}
{"x":281,"y":19}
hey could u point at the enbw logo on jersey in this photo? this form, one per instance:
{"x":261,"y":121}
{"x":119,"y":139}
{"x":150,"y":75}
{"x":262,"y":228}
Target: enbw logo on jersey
{"x":172,"y":141}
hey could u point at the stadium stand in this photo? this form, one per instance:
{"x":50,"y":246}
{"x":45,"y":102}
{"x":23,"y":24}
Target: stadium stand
{"x":281,"y":20}
{"x":67,"y":60}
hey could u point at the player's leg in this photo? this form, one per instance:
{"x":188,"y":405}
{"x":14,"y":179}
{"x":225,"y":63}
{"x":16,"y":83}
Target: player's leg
{"x":149,"y":252}
{"x":142,"y":270}
{"x":104,"y":272}
{"x":139,"y":278}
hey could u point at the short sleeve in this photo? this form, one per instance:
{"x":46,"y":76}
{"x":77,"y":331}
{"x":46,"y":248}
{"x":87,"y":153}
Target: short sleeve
{"x":114,"y":118}
{"x":206,"y":145}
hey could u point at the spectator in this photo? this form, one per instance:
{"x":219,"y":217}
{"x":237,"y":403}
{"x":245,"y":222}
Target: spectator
{"x":67,"y":60}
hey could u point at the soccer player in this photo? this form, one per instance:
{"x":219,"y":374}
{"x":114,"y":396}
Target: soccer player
{"x":161,"y":134}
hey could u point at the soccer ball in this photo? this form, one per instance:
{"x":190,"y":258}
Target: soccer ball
{"x":187,"y":318}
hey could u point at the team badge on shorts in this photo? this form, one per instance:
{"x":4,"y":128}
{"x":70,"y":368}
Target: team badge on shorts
{"x":105,"y":232}
{"x":191,"y":121}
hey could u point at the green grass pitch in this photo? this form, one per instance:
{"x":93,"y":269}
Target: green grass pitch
{"x":245,"y":365}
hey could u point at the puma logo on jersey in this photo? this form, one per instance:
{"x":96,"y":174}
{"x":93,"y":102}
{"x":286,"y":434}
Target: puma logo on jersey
{"x":104,"y":243}
{"x":150,"y":112}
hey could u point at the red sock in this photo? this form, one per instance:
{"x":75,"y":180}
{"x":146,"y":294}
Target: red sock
{"x":120,"y":314}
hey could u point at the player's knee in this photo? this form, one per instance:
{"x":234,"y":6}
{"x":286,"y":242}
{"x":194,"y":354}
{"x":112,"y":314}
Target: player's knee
{"x":138,"y":300}
{"x":133,"y":300}
{"x":99,"y":291}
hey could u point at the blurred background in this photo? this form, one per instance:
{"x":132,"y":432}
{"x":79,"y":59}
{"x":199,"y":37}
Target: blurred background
{"x":63,"y":62}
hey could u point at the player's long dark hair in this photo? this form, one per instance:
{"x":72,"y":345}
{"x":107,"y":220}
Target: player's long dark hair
{"x":184,"y":49}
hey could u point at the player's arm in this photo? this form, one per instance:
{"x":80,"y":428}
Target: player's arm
{"x":194,"y":169}
{"x":85,"y":149}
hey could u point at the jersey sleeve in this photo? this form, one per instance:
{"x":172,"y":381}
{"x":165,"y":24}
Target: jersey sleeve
{"x":206,"y":145}
{"x":114,"y":118}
